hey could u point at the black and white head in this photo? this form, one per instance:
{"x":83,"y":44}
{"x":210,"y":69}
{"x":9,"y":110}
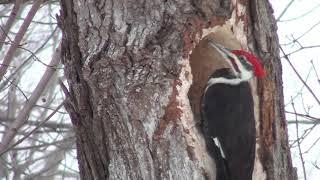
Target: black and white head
{"x":243,"y":65}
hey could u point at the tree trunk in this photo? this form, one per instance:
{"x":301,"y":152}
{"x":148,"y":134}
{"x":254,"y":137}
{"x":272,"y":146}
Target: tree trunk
{"x":129,"y":71}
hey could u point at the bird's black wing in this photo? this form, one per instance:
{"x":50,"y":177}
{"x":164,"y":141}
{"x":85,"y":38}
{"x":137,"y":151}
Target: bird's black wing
{"x":227,"y":112}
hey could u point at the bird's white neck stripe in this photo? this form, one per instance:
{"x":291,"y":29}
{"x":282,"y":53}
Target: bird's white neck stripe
{"x":223,"y":80}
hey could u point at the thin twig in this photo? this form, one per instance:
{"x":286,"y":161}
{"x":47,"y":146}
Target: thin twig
{"x":9,"y":55}
{"x":285,"y":10}
{"x":9,"y":22}
{"x":56,"y":143}
{"x":19,"y":89}
{"x":304,"y":135}
{"x":23,"y":114}
{"x":301,"y":89}
{"x":302,"y":48}
{"x":33,"y":21}
{"x":34,"y":55}
{"x":315,"y":165}
{"x":315,"y":71}
{"x":313,"y":144}
{"x":302,"y":122}
{"x":304,"y":115}
{"x":296,"y":72}
{"x":28,"y":134}
{"x":302,"y":15}
{"x":25,"y":62}
{"x":303,"y":34}
{"x":299,"y":145}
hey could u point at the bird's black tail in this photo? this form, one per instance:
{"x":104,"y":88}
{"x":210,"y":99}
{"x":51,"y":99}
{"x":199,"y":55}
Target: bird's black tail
{"x":221,"y":163}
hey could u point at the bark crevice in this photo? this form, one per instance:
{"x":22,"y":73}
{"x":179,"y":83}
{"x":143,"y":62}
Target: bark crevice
{"x":126,"y":63}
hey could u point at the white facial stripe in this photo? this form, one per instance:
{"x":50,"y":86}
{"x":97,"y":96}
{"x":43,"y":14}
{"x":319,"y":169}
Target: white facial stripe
{"x":245,"y":74}
{"x":223,"y":53}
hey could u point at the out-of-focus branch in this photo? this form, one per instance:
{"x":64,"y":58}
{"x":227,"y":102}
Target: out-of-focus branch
{"x":304,"y":115}
{"x":316,"y":165}
{"x":15,"y":85}
{"x":302,"y":15}
{"x":65,"y":142}
{"x":285,"y":10}
{"x":7,"y":26}
{"x":9,"y":55}
{"x":12,"y":1}
{"x":299,"y":92}
{"x":303,"y":122}
{"x":301,"y":48}
{"x":302,"y":35}
{"x":315,"y":71}
{"x":50,"y":125}
{"x":26,"y":62}
{"x":304,"y":135}
{"x":312,"y":145}
{"x":27,"y":135}
{"x":35,"y":21}
{"x":22,"y":117}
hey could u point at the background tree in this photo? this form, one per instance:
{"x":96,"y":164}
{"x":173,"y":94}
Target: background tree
{"x":32,"y":146}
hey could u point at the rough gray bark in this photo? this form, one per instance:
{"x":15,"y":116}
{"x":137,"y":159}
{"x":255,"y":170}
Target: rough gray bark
{"x":125,"y":63}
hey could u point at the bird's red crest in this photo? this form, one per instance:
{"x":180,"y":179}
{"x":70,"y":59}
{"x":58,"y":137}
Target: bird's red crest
{"x":257,"y":67}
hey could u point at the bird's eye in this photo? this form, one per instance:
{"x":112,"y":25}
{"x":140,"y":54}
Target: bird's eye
{"x":245,"y":63}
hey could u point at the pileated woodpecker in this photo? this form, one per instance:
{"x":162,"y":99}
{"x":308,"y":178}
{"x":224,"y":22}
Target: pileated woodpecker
{"x":227,"y":111}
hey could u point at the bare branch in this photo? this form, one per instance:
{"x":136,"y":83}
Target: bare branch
{"x":36,"y":128}
{"x":306,"y":32}
{"x":300,"y":78}
{"x":304,"y":115}
{"x":313,"y":144}
{"x":302,"y":122}
{"x":285,"y":10}
{"x":21,"y":118}
{"x":302,"y":15}
{"x":299,"y":146}
{"x":9,"y":55}
{"x":9,"y":22}
{"x":315,"y":71}
{"x":302,"y":48}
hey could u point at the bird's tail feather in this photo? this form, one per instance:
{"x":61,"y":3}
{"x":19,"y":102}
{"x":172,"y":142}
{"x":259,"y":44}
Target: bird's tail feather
{"x":221,"y":163}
